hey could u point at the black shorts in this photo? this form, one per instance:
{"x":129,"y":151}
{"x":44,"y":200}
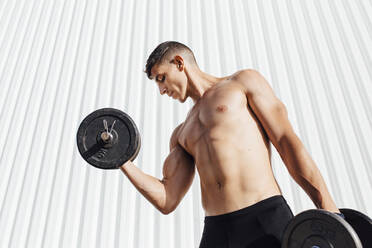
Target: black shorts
{"x":259,"y":225}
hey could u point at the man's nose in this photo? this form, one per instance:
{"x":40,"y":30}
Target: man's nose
{"x":163,"y":91}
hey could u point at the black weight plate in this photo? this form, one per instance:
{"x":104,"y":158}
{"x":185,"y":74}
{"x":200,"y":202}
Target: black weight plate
{"x":138,"y":145}
{"x":126,"y":139}
{"x":361,"y":223}
{"x":319,"y":228}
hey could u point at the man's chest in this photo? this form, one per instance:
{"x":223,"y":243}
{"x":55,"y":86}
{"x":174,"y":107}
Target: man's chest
{"x":212,"y":116}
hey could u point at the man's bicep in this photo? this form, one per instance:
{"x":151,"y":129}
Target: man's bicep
{"x":178,"y":174}
{"x":268,"y":108}
{"x":177,"y":160}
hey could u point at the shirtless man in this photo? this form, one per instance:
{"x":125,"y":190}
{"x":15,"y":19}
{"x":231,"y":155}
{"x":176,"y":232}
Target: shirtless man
{"x":226,"y":137}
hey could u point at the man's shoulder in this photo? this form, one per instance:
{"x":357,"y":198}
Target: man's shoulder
{"x":241,"y":79}
{"x":174,"y":136}
{"x":175,"y":131}
{"x":249,"y":79}
{"x":245,"y":74}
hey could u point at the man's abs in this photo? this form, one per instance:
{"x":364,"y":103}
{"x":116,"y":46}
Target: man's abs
{"x":230,"y":149}
{"x":232,"y":178}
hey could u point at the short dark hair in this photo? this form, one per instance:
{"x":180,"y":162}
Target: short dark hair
{"x":163,"y":51}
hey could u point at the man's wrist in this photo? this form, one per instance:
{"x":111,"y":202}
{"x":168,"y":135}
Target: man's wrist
{"x":341,"y":215}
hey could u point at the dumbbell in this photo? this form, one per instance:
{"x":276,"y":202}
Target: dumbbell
{"x":317,"y":228}
{"x":107,"y":138}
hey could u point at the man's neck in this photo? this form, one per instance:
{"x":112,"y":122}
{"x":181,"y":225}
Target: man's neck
{"x":199,"y":83}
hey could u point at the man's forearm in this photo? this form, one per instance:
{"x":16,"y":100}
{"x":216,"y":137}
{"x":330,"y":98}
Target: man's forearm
{"x":314,"y":185}
{"x":150,"y":187}
{"x":305,"y":172}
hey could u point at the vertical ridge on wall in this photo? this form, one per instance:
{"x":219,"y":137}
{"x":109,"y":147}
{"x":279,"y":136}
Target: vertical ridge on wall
{"x":61,"y":60}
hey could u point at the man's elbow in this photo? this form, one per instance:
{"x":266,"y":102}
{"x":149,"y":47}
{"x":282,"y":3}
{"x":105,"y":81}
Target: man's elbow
{"x":296,"y":158}
{"x":168,"y":206}
{"x":166,"y":211}
{"x":289,"y":144}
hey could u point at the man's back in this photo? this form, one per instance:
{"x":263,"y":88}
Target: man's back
{"x":230,"y":148}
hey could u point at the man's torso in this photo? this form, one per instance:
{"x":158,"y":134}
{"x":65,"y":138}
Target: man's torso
{"x":230,"y":148}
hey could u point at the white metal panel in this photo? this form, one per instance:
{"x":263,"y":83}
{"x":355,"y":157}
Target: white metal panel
{"x":60,"y":60}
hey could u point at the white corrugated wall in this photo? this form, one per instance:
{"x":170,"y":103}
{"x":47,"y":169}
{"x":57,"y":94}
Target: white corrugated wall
{"x":60,"y":60}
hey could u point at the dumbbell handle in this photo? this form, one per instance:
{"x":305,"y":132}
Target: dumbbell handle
{"x":106,"y":137}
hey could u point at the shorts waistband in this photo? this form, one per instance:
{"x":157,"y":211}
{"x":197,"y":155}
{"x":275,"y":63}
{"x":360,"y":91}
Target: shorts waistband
{"x":258,"y":206}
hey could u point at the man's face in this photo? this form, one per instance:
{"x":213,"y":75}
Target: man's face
{"x":171,"y":80}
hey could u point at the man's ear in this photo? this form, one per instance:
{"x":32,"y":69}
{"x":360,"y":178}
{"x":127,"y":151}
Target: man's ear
{"x":178,"y":60}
